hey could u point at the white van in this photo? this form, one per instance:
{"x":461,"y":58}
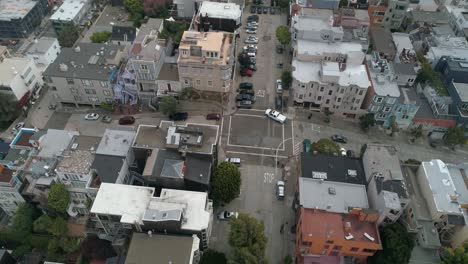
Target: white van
{"x":235,"y":161}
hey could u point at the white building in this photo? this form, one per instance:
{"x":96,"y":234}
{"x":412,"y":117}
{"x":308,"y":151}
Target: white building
{"x":20,"y":77}
{"x":71,"y":12}
{"x":458,"y":20}
{"x":43,"y":52}
{"x":120,"y":208}
{"x":10,"y":196}
{"x":404,"y":47}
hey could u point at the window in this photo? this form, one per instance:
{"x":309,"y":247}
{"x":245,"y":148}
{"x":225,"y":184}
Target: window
{"x":361,"y":91}
{"x":70,"y":81}
{"x":337,"y":247}
{"x":107,"y":93}
{"x":94,"y":99}
{"x":354,"y":249}
{"x":357,"y":101}
{"x":342,"y":90}
{"x":375,"y":108}
{"x":378,"y":99}
{"x":319,"y":98}
{"x":339,"y":100}
{"x":387,"y":109}
{"x":330,"y":92}
{"x":334,"y":253}
{"x":86,"y":82}
{"x":379,"y":13}
{"x":383,"y":116}
{"x":74,"y":90}
{"x":329,"y":241}
{"x":186,"y":82}
{"x":410,"y":80}
{"x":90,"y":91}
{"x":306,"y":243}
{"x":78,"y":184}
{"x":103,"y":84}
{"x":210,"y":83}
{"x":368,"y":250}
{"x":391,"y":100}
{"x":143,"y":67}
{"x":327,"y":102}
{"x":300,"y":96}
{"x":321,"y":89}
{"x":198,"y":82}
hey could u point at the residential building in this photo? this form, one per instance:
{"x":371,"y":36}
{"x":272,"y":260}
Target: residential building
{"x":382,"y":42}
{"x":83,"y":75}
{"x":118,"y":209}
{"x":218,"y":16}
{"x":442,"y":46}
{"x":176,"y":156}
{"x":424,"y":5}
{"x":388,"y":14}
{"x":206,"y":61}
{"x":452,"y":70}
{"x":386,"y":187}
{"x":71,"y":12}
{"x":318,"y":4}
{"x":4,"y":53}
{"x":10,"y":192}
{"x":186,"y":9}
{"x":122,"y":35}
{"x":20,"y":78}
{"x":43,"y":51}
{"x":459,"y":94}
{"x":355,"y":24}
{"x":405,"y":74}
{"x":404,"y":48}
{"x":458,"y":20}
{"x":416,"y":18}
{"x":406,"y":108}
{"x":157,"y":249}
{"x":18,"y":19}
{"x":443,"y":187}
{"x":6,"y":258}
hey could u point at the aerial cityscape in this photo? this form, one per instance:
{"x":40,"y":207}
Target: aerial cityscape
{"x":234,"y":132}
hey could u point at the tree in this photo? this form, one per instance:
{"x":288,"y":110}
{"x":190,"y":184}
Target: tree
{"x":134,"y":6}
{"x":168,"y":105}
{"x":23,"y":219}
{"x":95,"y":248}
{"x":397,"y":246}
{"x":417,"y":132}
{"x":366,"y":121}
{"x":58,"y":198}
{"x":53,"y":248}
{"x":68,"y":36}
{"x":325,"y":146}
{"x":343,"y":3}
{"x":58,"y":227}
{"x":9,"y":110}
{"x":100,"y":37}
{"x":286,"y":79}
{"x":21,"y":250}
{"x":454,"y":136}
{"x":458,"y":255}
{"x":211,"y":256}
{"x":42,"y":224}
{"x":288,"y":260}
{"x":69,"y":244}
{"x":225,"y":183}
{"x":283,"y":4}
{"x":283,"y":35}
{"x":247,"y":238}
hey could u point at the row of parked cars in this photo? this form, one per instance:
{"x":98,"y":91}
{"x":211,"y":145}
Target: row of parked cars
{"x":246,"y":96}
{"x":262,"y":10}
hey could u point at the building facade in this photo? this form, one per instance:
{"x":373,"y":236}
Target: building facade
{"x":71,"y":12}
{"x":388,"y":14}
{"x":43,"y":52}
{"x":20,"y":78}
{"x":18,"y":19}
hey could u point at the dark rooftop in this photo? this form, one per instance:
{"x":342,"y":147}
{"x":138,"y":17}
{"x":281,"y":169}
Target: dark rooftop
{"x":161,"y":158}
{"x":456,"y":220}
{"x":198,"y":169}
{"x":404,"y":68}
{"x":382,"y":40}
{"x":337,"y":168}
{"x":5,"y":174}
{"x":122,"y":33}
{"x":169,"y":72}
{"x":107,"y":167}
{"x":395,"y":186}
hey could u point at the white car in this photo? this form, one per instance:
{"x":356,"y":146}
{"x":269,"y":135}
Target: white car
{"x":251,"y":31}
{"x":226,"y":215}
{"x":275,"y":115}
{"x":250,"y":40}
{"x":92,"y":116}
{"x":280,"y":190}
{"x":252,"y":23}
{"x":279,"y":86}
{"x":246,"y":47}
{"x":343,"y":152}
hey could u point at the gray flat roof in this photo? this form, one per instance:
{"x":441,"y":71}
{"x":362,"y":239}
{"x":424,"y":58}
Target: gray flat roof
{"x":382,"y":39}
{"x":42,"y":46}
{"x":55,"y":142}
{"x":15,"y":9}
{"x":430,"y":17}
{"x":116,"y":142}
{"x":403,"y":68}
{"x":160,"y":249}
{"x":169,"y":72}
{"x":149,"y":137}
{"x":383,"y":159}
{"x":335,"y":197}
{"x":107,"y":167}
{"x":462,"y":90}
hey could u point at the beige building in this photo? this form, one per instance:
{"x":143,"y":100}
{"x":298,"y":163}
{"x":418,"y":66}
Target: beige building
{"x":206,"y":60}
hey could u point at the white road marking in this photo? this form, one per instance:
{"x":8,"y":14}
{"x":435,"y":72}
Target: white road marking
{"x":221,"y":134}
{"x":260,"y":93}
{"x":255,"y":154}
{"x":315,"y":128}
{"x":250,"y":115}
{"x":292,"y":132}
{"x":253,"y":147}
{"x":268,"y":177}
{"x":229,"y":130}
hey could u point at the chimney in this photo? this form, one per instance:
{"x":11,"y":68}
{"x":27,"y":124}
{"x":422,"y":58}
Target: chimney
{"x":150,"y":233}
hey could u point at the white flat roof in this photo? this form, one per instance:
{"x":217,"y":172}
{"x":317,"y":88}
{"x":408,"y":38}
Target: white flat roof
{"x":220,"y":10}
{"x":127,"y":201}
{"x":312,"y":22}
{"x":116,"y":142}
{"x":69,"y":10}
{"x":306,"y":72}
{"x":402,"y":41}
{"x":10,"y":67}
{"x":319,"y":48}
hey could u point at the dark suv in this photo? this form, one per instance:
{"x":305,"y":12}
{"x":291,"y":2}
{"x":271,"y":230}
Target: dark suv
{"x":246,"y":86}
{"x":181,"y":116}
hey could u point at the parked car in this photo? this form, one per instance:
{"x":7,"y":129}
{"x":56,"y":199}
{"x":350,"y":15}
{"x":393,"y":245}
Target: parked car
{"x":126,"y":120}
{"x":253,"y":18}
{"x":351,"y":153}
{"x":275,"y":115}
{"x":242,"y":97}
{"x":235,"y":161}
{"x":245,"y":86}
{"x":213,"y":116}
{"x":106,"y":119}
{"x":280,"y":190}
{"x":253,"y":9}
{"x":251,"y":31}
{"x":252,"y":23}
{"x":279,"y":49}
{"x":226,"y":215}
{"x":279,"y":86}
{"x":252,"y":54}
{"x":251,"y":67}
{"x":244,"y":104}
{"x":259,"y":10}
{"x":343,"y":152}
{"x":180,"y":116}
{"x":92,"y":116}
{"x":339,"y":138}
{"x":18,"y":127}
{"x":265,"y":10}
{"x":252,"y":60}
{"x":249,"y":92}
{"x":52,"y":106}
{"x":250,"y":40}
{"x":250,"y":47}
{"x":279,"y":102}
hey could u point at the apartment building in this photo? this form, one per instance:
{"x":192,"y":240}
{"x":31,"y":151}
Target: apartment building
{"x":118,"y":209}
{"x":405,"y":52}
{"x":382,"y":42}
{"x":458,"y":20}
{"x":10,"y":192}
{"x":318,"y":4}
{"x":387,"y":13}
{"x":206,"y":61}
{"x":19,"y":19}
{"x":386,"y":186}
{"x":20,"y":78}
{"x":71,"y":12}
{"x":83,"y":75}
{"x":43,"y":51}
{"x":218,"y":16}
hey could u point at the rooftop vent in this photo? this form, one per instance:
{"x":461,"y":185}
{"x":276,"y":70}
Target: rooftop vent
{"x":352,"y":173}
{"x":63,"y":67}
{"x":331,"y":191}
{"x":369,"y":237}
{"x":74,"y":146}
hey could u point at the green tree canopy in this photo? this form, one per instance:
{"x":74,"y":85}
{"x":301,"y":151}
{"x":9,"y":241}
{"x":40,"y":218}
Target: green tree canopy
{"x":168,"y":105}
{"x":343,"y":3}
{"x":417,"y":132}
{"x":225,"y":183}
{"x":325,"y":146}
{"x":68,"y":36}
{"x":23,"y":219}
{"x":42,"y":224}
{"x":286,"y":78}
{"x":397,"y":246}
{"x":283,"y":35}
{"x":247,"y":238}
{"x":100,"y":37}
{"x":58,"y":227}
{"x":58,"y":198}
{"x":458,"y":255}
{"x":135,"y":8}
{"x":366,"y":121}
{"x":9,"y":110}
{"x":283,"y":4}
{"x":455,"y":136}
{"x":428,"y":75}
{"x":69,"y":244}
{"x":211,"y":256}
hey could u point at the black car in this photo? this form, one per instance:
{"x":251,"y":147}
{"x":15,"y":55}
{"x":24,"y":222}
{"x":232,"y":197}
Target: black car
{"x":351,"y":153}
{"x":249,"y":92}
{"x":181,"y":116}
{"x":339,"y":138}
{"x":272,"y":11}
{"x":252,"y":61}
{"x":246,"y":86}
{"x":265,"y":10}
{"x":253,"y":17}
{"x":245,"y":104}
{"x":245,"y":97}
{"x":259,"y":10}
{"x":278,"y":102}
{"x":253,"y":9}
